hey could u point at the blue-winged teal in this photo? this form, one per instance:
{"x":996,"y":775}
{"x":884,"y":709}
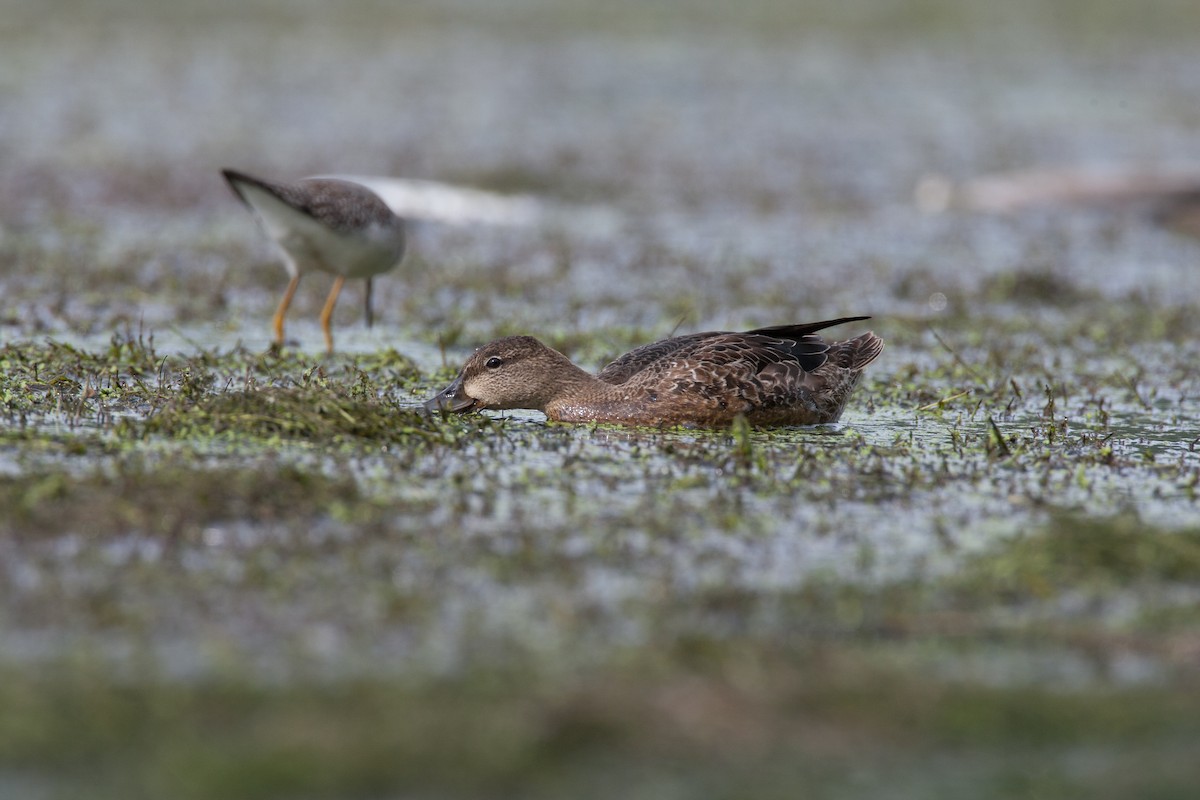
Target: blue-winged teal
{"x":785,"y":375}
{"x":325,"y":225}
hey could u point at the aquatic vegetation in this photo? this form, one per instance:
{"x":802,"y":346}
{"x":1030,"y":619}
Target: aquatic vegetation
{"x":277,"y":574}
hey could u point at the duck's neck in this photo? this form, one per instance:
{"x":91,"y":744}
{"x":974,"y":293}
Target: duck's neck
{"x":582,"y":397}
{"x":571,"y":381}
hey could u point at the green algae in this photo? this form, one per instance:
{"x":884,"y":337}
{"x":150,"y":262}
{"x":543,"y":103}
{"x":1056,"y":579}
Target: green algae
{"x":464,"y":605}
{"x":133,"y":393}
{"x":165,"y":499}
{"x":313,"y":411}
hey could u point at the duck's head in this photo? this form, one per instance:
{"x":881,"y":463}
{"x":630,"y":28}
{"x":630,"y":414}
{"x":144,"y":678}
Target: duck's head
{"x":513,"y":372}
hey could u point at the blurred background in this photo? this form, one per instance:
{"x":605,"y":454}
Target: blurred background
{"x":699,"y":163}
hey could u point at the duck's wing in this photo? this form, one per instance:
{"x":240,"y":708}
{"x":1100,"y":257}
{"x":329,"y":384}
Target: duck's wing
{"x":814,"y":366}
{"x":638,"y":359}
{"x":801,"y":378}
{"x":797,"y":341}
{"x":718,"y":366}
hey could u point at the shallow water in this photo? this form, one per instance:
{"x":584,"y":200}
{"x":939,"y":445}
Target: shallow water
{"x":716,"y":169}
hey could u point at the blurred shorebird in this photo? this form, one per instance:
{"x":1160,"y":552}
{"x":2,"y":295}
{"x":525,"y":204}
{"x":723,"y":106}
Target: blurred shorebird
{"x":324,"y":225}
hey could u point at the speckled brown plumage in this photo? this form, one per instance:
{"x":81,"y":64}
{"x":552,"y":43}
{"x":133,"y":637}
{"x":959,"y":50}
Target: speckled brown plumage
{"x":785,"y":375}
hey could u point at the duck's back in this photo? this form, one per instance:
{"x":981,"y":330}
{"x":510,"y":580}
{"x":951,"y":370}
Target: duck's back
{"x":785,"y":375}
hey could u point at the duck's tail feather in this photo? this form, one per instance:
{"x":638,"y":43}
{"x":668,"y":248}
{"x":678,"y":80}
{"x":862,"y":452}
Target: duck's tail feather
{"x":856,"y":353}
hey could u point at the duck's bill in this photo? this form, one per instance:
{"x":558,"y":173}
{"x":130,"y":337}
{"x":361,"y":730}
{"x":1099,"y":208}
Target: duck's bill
{"x":451,"y":399}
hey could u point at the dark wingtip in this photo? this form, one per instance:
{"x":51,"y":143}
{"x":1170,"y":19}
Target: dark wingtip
{"x":792,"y":331}
{"x":236,"y":179}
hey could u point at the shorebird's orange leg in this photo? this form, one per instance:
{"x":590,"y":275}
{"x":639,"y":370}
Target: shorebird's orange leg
{"x":283,"y":307}
{"x":327,"y":312}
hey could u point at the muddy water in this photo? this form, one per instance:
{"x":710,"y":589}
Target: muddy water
{"x":707,"y":170}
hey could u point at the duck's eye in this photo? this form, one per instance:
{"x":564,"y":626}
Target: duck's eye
{"x":494,"y":362}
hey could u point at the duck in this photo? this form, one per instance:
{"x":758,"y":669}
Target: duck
{"x":779,"y":376}
{"x":323,"y":225}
